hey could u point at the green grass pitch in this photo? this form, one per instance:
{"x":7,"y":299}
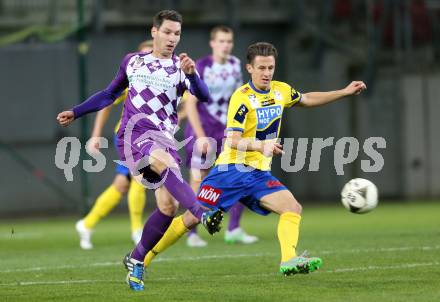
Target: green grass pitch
{"x":390,"y":254}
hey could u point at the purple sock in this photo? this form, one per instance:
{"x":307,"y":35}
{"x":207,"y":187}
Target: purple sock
{"x":182,"y":192}
{"x":153,"y":231}
{"x":234,"y":216}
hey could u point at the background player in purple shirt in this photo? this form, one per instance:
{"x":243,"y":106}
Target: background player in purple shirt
{"x":156,"y":82}
{"x":221,"y":72}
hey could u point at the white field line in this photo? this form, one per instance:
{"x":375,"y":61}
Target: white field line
{"x":20,"y":235}
{"x":384,"y":249}
{"x":384,"y":267}
{"x":60,"y":282}
{"x":119,"y":263}
{"x":220,"y":256}
{"x":340,"y":270}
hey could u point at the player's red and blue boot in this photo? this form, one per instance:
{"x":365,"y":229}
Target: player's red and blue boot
{"x":302,"y":264}
{"x":212,"y":220}
{"x":135,"y":275}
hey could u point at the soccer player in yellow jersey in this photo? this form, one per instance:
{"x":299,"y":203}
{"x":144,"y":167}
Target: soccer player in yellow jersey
{"x":221,"y":72}
{"x":121,"y":185}
{"x":242,"y":171}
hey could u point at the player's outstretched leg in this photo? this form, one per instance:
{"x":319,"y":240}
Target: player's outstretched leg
{"x":283,"y":203}
{"x":180,"y":226}
{"x":163,"y":164}
{"x":288,"y":233}
{"x":153,"y":231}
{"x":182,"y":192}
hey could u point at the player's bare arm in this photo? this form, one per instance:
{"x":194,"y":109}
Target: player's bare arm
{"x":100,"y":120}
{"x":193,"y":115}
{"x":194,"y":119}
{"x":313,"y":99}
{"x":235,"y":140}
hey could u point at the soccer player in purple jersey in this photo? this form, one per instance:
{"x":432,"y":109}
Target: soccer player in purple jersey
{"x":121,"y":184}
{"x":221,"y":72}
{"x":146,"y":144}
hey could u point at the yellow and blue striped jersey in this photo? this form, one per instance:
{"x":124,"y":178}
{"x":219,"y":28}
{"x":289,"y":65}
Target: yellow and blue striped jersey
{"x":258,"y":115}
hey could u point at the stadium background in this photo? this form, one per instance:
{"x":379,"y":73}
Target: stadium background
{"x":394,"y":46}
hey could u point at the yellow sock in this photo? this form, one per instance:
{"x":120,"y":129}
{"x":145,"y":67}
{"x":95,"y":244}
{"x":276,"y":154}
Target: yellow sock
{"x":136,"y":205}
{"x":176,"y":230}
{"x":288,"y":233}
{"x":103,"y":205}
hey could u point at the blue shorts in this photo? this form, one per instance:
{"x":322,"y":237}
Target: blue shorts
{"x":120,"y":169}
{"x":225,"y":185}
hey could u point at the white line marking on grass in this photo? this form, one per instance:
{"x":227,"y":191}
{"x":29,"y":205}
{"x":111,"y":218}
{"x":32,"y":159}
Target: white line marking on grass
{"x":19,"y":236}
{"x":161,"y":259}
{"x":207,"y":257}
{"x":384,"y":267}
{"x":384,"y":249}
{"x":59,"y":282}
{"x":339,"y":270}
{"x":348,"y":269}
{"x":224,"y":256}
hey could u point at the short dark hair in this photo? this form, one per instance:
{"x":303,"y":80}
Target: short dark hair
{"x":260,"y":49}
{"x":163,"y":15}
{"x":220,"y":28}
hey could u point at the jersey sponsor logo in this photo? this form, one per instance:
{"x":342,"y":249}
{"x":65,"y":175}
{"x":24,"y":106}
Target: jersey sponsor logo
{"x":241,"y":113}
{"x":244,"y":90}
{"x":294,"y":94}
{"x":138,"y":62}
{"x":268,"y":114}
{"x":154,"y":80}
{"x":154,"y":66}
{"x":209,"y":195}
{"x":273,"y":184}
{"x":267,"y":102}
{"x":170,"y":69}
{"x":254,"y":101}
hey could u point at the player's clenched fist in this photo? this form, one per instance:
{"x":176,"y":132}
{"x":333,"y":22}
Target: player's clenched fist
{"x":272,"y":147}
{"x":187,"y":64}
{"x":355,"y":88}
{"x":65,"y":118}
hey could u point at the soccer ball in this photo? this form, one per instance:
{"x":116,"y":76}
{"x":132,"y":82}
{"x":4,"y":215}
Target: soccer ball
{"x":359,"y":196}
